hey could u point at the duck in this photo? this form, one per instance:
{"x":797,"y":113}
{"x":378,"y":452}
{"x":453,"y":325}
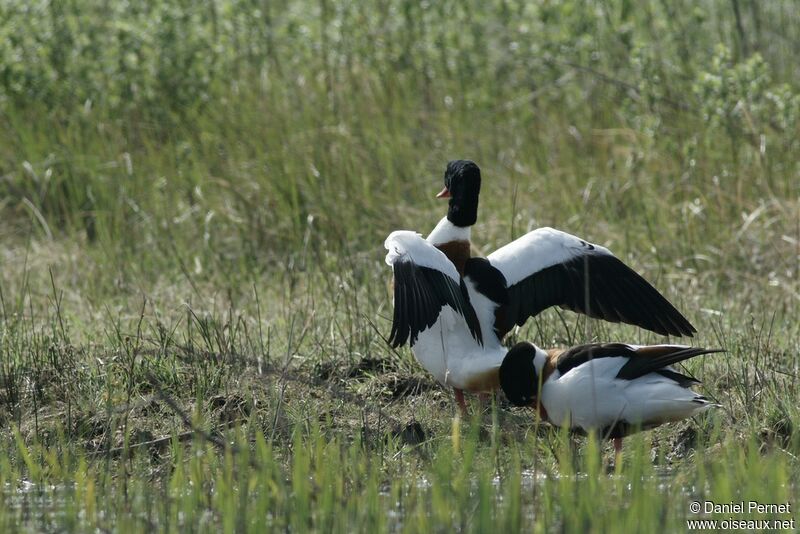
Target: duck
{"x":614,"y":389}
{"x":454,"y":309}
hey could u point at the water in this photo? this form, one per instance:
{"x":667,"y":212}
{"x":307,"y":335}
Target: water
{"x":35,"y":504}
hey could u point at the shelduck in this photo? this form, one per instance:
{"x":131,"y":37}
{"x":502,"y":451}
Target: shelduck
{"x":454,"y":309}
{"x":611,"y":388}
{"x":441,"y":318}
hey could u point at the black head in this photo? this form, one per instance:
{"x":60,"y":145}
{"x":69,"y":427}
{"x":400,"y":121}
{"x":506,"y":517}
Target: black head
{"x":462,"y":182}
{"x":518,"y":377}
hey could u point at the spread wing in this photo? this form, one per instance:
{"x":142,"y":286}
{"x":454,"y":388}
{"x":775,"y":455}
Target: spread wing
{"x":425,"y":281}
{"x":547,"y":267}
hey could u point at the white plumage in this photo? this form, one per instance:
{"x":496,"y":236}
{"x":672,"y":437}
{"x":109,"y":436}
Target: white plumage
{"x":590,"y":397}
{"x":452,"y":356}
{"x":445,"y":232}
{"x":411,"y":244}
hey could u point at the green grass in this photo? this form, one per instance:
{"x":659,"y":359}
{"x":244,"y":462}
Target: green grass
{"x":193,"y":297}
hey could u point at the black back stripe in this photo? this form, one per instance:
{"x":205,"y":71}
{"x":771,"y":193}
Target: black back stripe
{"x":488,"y":280}
{"x":683,"y":380}
{"x":581,"y":354}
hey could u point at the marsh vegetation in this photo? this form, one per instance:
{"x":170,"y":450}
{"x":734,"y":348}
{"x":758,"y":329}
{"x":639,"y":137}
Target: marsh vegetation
{"x":193,"y":299}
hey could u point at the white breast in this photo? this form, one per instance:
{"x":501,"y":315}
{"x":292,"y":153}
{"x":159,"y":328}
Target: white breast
{"x":451,"y":354}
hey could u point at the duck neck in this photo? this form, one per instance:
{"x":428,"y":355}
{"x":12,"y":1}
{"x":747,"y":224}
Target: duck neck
{"x":540,"y":361}
{"x":447,"y":232}
{"x":453,"y":241}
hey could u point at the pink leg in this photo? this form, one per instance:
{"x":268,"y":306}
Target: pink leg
{"x":461,"y":403}
{"x":617,"y":446}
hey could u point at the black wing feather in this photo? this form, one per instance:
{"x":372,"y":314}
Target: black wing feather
{"x":420,"y":293}
{"x":683,"y":380}
{"x":600,"y":286}
{"x":641,"y":360}
{"x":641,"y":366}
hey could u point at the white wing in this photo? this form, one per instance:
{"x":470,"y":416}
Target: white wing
{"x":405,"y":244}
{"x":538,"y":250}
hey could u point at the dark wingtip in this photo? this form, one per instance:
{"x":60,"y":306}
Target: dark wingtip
{"x":672,"y":321}
{"x":685,"y":328}
{"x":635,"y":368}
{"x":646,"y":307}
{"x":394,"y":339}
